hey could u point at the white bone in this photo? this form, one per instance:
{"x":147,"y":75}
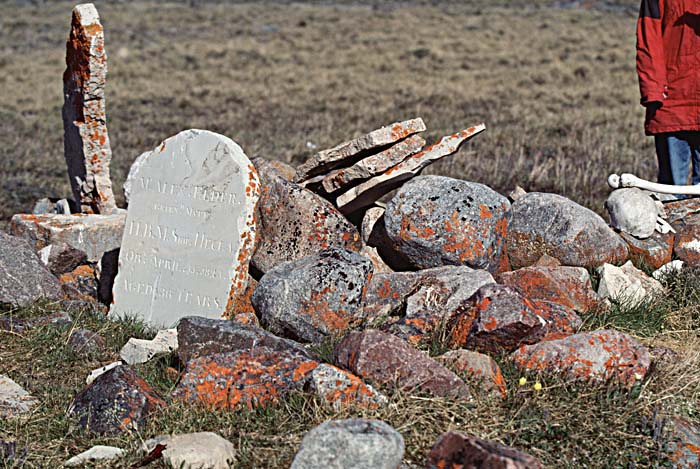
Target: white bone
{"x":630,"y":180}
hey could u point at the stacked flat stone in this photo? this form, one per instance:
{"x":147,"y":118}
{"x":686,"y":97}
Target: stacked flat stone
{"x":357,"y":173}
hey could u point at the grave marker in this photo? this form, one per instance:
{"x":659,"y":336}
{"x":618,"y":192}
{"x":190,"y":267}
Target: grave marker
{"x":189,"y":231}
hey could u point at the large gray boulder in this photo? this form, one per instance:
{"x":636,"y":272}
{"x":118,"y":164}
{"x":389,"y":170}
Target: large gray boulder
{"x":550,"y":224}
{"x":317,"y":296}
{"x":436,"y":220}
{"x":23,"y":277}
{"x":350,"y":444}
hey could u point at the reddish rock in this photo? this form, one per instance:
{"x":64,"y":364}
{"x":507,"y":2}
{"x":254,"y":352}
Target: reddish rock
{"x":436,"y":220}
{"x":547,"y":261}
{"x":86,"y":343}
{"x":248,"y":319}
{"x":682,"y":211}
{"x":652,"y":252}
{"x":86,"y":142}
{"x":561,"y":320}
{"x":275,"y":167}
{"x":294,"y":223}
{"x":340,"y":388}
{"x":314,"y":297}
{"x":437,"y":300}
{"x":83,"y":279}
{"x":554,"y":225}
{"x":503,"y":319}
{"x":197,"y":336}
{"x":116,"y":401}
{"x":389,"y":361}
{"x":590,"y":356}
{"x":687,"y":243}
{"x":567,"y":286}
{"x":684,"y":447}
{"x":476,"y":366}
{"x":254,"y":377}
{"x":456,"y":450}
{"x":61,"y":258}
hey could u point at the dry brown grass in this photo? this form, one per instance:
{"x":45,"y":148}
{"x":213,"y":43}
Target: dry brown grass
{"x":556,"y":87}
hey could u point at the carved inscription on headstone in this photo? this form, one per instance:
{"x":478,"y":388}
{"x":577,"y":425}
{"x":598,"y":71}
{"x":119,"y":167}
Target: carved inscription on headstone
{"x":189,"y":230}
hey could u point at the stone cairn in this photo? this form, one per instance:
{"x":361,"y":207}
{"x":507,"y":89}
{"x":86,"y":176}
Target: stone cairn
{"x":443,"y":258}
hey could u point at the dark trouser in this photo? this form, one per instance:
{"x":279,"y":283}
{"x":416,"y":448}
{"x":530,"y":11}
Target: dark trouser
{"x":675,"y":152}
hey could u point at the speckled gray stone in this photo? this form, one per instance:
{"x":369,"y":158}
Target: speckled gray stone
{"x":23,"y":277}
{"x":350,"y":444}
{"x":308,"y":299}
{"x":543,"y":223}
{"x":436,"y":220}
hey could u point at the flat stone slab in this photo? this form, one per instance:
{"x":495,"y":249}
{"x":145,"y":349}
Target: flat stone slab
{"x":203,"y":450}
{"x":92,"y":234}
{"x":189,"y":231}
{"x":14,"y":400}
{"x":373,"y":165}
{"x":333,"y":157}
{"x":137,"y":351}
{"x":372,"y":190}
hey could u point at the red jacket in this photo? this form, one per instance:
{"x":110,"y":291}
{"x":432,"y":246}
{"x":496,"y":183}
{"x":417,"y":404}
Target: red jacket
{"x":668,"y":64}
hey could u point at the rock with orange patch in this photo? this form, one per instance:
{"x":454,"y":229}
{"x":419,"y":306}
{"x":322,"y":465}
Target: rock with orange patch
{"x":686,"y":246}
{"x":368,"y":192}
{"x":190,"y":230}
{"x":61,"y":258}
{"x":197,"y":337}
{"x":568,"y":286}
{"x":476,"y":366}
{"x":274,"y":167}
{"x":684,"y":446}
{"x":387,"y":292}
{"x":340,"y":388}
{"x":255,"y":377}
{"x":86,"y":142}
{"x":83,"y":279}
{"x":457,"y":450}
{"x":550,"y":224}
{"x":386,"y":360}
{"x":240,"y":299}
{"x":503,"y":319}
{"x":589,"y":356}
{"x":294,"y":222}
{"x":23,"y":277}
{"x":437,"y":301}
{"x":377,"y":261}
{"x":436,"y":220}
{"x":652,"y":252}
{"x":348,"y":152}
{"x":117,"y":401}
{"x":314,"y":297}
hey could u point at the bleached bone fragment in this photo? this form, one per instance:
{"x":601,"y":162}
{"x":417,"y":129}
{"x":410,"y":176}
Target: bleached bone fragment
{"x":97,"y":372}
{"x":630,"y":180}
{"x":86,"y":142}
{"x":370,"y":191}
{"x":326,"y":160}
{"x":373,"y":165}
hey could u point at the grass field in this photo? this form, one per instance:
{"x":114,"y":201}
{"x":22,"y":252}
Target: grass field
{"x":555,"y":86}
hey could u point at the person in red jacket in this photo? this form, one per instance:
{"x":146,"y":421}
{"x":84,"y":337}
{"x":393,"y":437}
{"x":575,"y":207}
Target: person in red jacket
{"x":668,"y":66}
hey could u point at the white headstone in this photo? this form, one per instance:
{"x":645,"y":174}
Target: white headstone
{"x":189,"y":231}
